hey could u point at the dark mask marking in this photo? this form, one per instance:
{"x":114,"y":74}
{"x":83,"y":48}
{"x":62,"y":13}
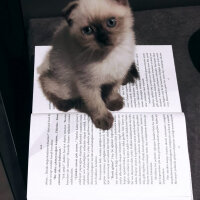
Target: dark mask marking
{"x":101,"y":35}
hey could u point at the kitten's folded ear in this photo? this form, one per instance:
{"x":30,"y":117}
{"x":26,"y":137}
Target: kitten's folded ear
{"x":66,"y":12}
{"x":123,"y":2}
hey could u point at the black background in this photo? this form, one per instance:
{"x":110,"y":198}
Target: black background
{"x":15,"y":77}
{"x":46,"y":8}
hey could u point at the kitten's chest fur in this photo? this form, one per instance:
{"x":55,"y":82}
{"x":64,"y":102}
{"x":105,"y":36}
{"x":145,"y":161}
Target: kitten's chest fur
{"x":116,"y":65}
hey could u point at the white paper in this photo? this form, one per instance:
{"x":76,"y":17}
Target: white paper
{"x":156,"y":91}
{"x":144,"y":156}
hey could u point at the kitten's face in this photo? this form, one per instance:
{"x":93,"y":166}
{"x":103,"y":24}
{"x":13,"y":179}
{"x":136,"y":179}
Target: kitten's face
{"x":99,"y":24}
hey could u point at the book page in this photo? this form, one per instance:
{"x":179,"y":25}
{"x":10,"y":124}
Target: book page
{"x":156,"y":91}
{"x":144,"y":156}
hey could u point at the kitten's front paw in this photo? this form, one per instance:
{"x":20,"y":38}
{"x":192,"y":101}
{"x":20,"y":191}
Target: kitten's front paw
{"x":105,"y":122}
{"x":115,"y":104}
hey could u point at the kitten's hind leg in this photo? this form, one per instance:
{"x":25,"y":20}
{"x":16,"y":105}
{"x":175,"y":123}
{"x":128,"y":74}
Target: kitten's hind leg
{"x":81,"y":106}
{"x":58,"y":93}
{"x":131,"y":75}
{"x":61,"y":104}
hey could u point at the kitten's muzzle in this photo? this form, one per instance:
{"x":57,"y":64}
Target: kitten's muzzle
{"x":102,"y":38}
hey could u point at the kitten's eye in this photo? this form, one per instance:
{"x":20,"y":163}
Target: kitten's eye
{"x":111,"y":22}
{"x":87,"y":30}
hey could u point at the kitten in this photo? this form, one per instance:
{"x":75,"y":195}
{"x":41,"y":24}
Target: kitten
{"x":92,"y":55}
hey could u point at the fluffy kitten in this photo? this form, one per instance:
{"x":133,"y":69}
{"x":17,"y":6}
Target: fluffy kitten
{"x":92,"y":55}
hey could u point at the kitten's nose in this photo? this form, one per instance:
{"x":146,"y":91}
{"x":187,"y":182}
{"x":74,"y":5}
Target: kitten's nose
{"x":103,"y":38}
{"x":101,"y":35}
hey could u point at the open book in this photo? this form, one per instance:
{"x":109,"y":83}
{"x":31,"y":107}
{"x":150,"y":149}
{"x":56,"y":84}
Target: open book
{"x":144,"y":156}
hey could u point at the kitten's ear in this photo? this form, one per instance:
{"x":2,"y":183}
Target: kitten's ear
{"x":66,"y":12}
{"x":122,"y":2}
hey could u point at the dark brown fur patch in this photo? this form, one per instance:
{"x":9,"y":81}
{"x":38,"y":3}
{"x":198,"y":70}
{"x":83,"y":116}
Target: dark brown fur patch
{"x":116,"y":104}
{"x":68,"y":11}
{"x":80,"y":106}
{"x":131,"y":75}
{"x":106,"y":89}
{"x":133,"y":71}
{"x":61,"y":104}
{"x":102,"y":36}
{"x":105,"y":122}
